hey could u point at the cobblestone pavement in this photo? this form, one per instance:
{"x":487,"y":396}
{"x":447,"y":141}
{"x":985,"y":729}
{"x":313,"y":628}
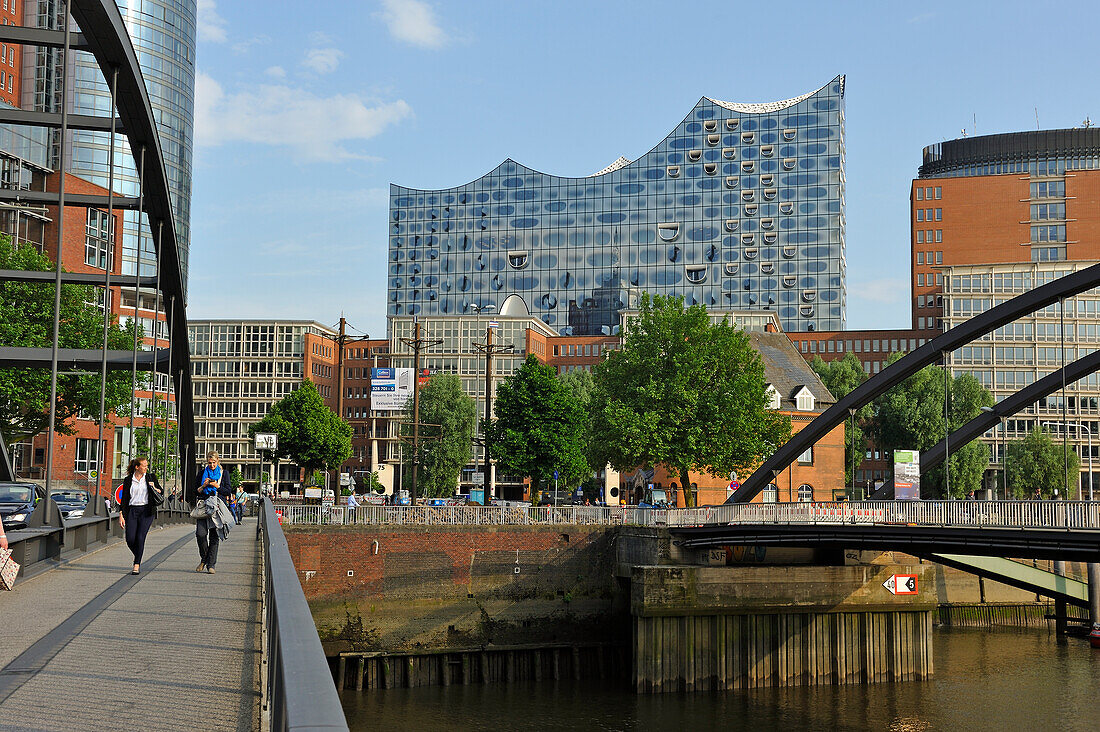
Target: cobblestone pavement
{"x":87,"y":646}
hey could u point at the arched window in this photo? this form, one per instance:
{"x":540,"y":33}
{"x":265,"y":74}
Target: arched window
{"x":770,"y":494}
{"x":805,"y":493}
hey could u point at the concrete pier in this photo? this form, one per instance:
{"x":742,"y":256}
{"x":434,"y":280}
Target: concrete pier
{"x":707,"y":628}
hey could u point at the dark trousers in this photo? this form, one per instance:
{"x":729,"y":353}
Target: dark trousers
{"x":137,"y":528}
{"x":207,"y":535}
{"x":238,"y":510}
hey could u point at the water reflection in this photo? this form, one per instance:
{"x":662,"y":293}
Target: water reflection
{"x":984,"y":680}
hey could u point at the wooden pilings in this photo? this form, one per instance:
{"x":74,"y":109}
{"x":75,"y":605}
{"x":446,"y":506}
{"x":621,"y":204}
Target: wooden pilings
{"x":500,"y":664}
{"x":717,"y":652}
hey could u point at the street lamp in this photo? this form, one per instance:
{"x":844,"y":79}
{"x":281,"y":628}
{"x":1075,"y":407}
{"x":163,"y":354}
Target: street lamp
{"x":477,"y":427}
{"x":1080,"y":426}
{"x":1004,"y":451}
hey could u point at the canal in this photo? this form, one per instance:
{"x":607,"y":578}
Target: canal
{"x":984,"y":680}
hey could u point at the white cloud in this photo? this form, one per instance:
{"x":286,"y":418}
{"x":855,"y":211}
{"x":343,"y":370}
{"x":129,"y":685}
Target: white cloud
{"x":880,"y":291}
{"x":323,"y":60}
{"x":275,"y":72}
{"x":211,"y":26}
{"x":316,"y":128}
{"x":414,"y":22}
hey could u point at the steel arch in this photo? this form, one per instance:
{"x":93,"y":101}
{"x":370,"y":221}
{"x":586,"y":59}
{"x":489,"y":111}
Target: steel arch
{"x":1007,"y":407}
{"x":1007,"y":312}
{"x":103,"y":34}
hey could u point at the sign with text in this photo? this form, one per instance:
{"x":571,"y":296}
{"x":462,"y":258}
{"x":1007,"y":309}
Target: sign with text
{"x":907,"y":475}
{"x":266,"y":441}
{"x":901,"y":584}
{"x":390,"y":389}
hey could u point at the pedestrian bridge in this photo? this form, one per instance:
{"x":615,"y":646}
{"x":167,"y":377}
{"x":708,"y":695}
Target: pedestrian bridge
{"x":86,"y":645}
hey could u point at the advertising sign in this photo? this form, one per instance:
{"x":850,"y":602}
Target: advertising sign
{"x":907,"y":475}
{"x":390,"y":389}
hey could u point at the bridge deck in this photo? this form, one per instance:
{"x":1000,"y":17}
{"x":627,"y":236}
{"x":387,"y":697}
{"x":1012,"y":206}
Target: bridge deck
{"x":88,"y":646}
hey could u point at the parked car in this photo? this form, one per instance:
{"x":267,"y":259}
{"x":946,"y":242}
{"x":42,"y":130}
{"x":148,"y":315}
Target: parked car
{"x":17,"y":501}
{"x":70,"y":503}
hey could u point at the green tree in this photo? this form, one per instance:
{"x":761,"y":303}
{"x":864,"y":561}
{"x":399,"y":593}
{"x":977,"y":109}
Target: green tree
{"x":155,"y":428}
{"x":841,"y":377}
{"x":26,"y":320}
{"x":310,"y":434}
{"x":910,"y":416}
{"x":684,"y":393}
{"x":581,"y":384}
{"x":236,"y":478}
{"x":539,"y":427}
{"x":1038,"y":462}
{"x":445,"y":444}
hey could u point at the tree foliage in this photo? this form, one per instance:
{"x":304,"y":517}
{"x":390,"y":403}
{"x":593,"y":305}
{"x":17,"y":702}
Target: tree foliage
{"x":310,"y":434}
{"x":684,"y":393}
{"x":1038,"y":462}
{"x":444,"y":449}
{"x":540,"y":426}
{"x":26,"y":320}
{"x":910,"y":416}
{"x":841,"y":377}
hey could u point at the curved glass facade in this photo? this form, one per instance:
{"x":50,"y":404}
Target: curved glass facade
{"x":740,"y":207}
{"x":163,"y":33}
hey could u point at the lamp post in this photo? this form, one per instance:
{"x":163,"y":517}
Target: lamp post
{"x":1080,"y":426}
{"x":1004,"y":452}
{"x":478,"y":309}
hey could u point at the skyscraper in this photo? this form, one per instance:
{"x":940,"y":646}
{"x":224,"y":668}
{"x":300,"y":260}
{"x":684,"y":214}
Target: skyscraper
{"x":740,"y":207}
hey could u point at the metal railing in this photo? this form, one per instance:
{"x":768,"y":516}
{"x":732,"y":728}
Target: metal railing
{"x":1008,"y":514}
{"x":299,"y":691}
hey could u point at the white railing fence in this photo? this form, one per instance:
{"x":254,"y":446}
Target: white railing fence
{"x":1009,"y":514}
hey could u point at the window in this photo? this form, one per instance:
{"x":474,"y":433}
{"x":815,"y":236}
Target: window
{"x":1042,"y":211}
{"x":920,"y":279}
{"x":939,"y":257}
{"x":807,"y":458}
{"x":805,"y":493}
{"x":920,"y":240}
{"x":920,"y":323}
{"x":1056,"y":232}
{"x":939,"y":193}
{"x":939,"y":236}
{"x":920,"y":214}
{"x":770,"y":494}
{"x":920,"y":255}
{"x":804,"y":400}
{"x":772,"y":393}
{"x":920,"y":301}
{"x":920,"y":194}
{"x":939,"y":214}
{"x":87,"y":456}
{"x":97,"y":239}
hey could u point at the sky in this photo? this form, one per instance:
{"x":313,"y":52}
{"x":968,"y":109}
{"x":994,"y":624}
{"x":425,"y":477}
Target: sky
{"x":306,"y":112}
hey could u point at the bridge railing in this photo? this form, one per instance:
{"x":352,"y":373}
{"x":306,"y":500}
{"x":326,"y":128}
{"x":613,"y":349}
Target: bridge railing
{"x":300,"y":693}
{"x":1006,"y":514}
{"x":1009,"y":514}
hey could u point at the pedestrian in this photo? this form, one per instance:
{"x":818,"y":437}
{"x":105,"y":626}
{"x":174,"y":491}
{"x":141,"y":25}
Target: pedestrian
{"x":206,"y":529}
{"x":137,"y":512}
{"x":352,"y":503}
{"x":240,"y":499}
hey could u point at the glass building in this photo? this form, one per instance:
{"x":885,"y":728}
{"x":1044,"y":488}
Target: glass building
{"x":740,"y":207}
{"x":163,"y":34}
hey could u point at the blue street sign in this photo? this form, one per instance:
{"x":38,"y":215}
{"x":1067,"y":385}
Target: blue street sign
{"x":555,"y":475}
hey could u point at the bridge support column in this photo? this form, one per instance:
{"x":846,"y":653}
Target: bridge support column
{"x":1094,"y":592}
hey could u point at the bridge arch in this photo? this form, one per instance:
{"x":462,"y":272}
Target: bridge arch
{"x":1007,"y":312}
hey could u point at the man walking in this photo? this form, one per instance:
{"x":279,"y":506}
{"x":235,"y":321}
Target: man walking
{"x":240,"y":500}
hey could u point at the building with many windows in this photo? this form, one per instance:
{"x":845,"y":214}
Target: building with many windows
{"x":741,"y":207}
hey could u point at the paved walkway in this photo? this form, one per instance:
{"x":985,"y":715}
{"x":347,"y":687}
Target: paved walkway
{"x":87,"y":646}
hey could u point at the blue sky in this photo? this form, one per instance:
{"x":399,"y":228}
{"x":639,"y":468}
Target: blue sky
{"x":306,"y":112}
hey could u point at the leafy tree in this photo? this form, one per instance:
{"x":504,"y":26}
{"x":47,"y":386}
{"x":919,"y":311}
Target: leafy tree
{"x":310,"y":434}
{"x":149,"y":438}
{"x":582,"y":385}
{"x":1038,"y":462}
{"x":910,"y":416}
{"x":841,"y":377}
{"x":684,"y":393}
{"x":236,"y":478}
{"x":26,"y":320}
{"x":539,"y":426}
{"x":444,"y":449}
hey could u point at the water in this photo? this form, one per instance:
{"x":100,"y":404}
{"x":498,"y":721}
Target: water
{"x":999,"y":680}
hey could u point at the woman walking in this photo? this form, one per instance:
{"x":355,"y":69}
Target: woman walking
{"x":211,"y":483}
{"x":138,"y":511}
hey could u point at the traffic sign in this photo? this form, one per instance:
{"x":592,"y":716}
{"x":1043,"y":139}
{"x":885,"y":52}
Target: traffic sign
{"x":478,"y":478}
{"x":901,"y":584}
{"x":555,"y":475}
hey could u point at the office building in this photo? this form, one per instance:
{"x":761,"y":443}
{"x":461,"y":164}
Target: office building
{"x":740,"y":207}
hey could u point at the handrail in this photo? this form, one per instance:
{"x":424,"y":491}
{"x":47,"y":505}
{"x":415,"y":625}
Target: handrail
{"x":300,"y":693}
{"x":1070,"y":515}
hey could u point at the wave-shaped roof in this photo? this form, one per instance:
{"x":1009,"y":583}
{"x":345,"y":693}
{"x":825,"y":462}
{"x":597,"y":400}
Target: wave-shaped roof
{"x":766,"y":107}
